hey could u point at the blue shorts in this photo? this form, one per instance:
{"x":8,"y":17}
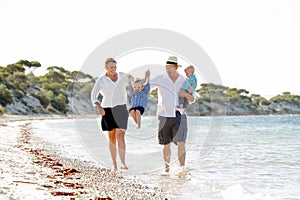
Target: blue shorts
{"x":172,"y":129}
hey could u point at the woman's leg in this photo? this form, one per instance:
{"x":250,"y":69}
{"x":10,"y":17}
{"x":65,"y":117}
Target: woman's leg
{"x":112,"y":147}
{"x":120,"y":135}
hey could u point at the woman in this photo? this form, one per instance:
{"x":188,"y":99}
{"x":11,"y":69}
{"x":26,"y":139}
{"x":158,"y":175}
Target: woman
{"x":112,"y":86}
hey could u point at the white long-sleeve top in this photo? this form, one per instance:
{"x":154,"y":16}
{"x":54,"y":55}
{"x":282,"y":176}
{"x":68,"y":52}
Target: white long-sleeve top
{"x":168,"y":99}
{"x":114,"y":93}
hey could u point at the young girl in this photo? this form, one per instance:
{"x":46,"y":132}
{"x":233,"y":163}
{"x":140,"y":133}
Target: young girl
{"x":139,"y":97}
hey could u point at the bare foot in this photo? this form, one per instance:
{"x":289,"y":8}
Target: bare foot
{"x":124,"y":167}
{"x":115,"y":168}
{"x":167,"y":168}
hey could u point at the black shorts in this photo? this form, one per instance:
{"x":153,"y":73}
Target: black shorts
{"x":140,"y":108}
{"x":172,"y":129}
{"x":115,"y":117}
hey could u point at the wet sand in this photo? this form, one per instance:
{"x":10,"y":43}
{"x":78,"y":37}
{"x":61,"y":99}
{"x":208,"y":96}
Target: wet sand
{"x":30,"y":169}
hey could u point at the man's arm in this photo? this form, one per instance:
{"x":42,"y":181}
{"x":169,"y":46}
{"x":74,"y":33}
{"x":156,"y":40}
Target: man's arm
{"x":189,"y":97}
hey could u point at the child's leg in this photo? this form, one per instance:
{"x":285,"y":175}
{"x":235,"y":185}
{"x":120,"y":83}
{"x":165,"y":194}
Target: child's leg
{"x":185,"y":103}
{"x":133,"y":115}
{"x":181,"y":102}
{"x":138,"y":118}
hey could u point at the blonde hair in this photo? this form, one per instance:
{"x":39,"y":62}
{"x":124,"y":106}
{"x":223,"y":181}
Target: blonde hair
{"x":138,"y":81}
{"x":109,"y":60}
{"x":190,"y":67}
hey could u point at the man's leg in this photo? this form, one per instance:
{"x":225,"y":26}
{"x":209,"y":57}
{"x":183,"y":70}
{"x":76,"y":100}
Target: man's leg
{"x":181,"y":153}
{"x":181,"y":134}
{"x":167,"y":156}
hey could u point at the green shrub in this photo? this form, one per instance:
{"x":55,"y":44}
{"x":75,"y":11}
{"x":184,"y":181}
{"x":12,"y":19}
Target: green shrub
{"x":60,"y":103}
{"x":56,"y":88}
{"x":19,"y":94}
{"x":44,"y":97}
{"x":2,"y":110}
{"x":2,"y":79}
{"x":5,"y":96}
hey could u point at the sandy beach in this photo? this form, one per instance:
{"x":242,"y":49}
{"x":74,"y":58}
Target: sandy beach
{"x":30,"y":169}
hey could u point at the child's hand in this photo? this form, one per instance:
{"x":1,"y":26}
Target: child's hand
{"x":130,"y":77}
{"x":191,"y":88}
{"x":147,"y":73}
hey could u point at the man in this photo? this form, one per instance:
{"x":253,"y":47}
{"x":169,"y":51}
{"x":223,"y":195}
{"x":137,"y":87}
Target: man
{"x":172,"y":122}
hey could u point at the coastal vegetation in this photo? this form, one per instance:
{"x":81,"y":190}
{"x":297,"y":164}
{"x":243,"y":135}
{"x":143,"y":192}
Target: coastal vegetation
{"x":21,"y":92}
{"x":60,"y":91}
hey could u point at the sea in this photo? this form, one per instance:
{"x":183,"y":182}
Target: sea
{"x":227,"y":157}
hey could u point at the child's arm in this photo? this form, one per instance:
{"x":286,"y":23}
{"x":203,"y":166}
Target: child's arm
{"x":130,"y":79}
{"x":147,"y":77}
{"x":191,"y":88}
{"x":193,"y":82}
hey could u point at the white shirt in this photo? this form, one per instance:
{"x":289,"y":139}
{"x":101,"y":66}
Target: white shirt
{"x":114,"y":93}
{"x":168,"y":99}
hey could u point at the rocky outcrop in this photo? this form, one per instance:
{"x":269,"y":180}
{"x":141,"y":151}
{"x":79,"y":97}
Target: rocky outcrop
{"x":30,"y":105}
{"x":238,"y":108}
{"x":60,"y":91}
{"x":81,"y":105}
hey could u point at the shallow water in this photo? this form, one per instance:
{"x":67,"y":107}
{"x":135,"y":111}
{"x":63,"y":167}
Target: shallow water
{"x":245,"y":157}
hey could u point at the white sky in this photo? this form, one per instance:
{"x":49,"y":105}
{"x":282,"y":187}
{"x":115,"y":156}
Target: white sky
{"x":254,"y":44}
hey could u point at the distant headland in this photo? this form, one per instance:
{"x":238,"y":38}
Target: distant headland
{"x":64,"y":92}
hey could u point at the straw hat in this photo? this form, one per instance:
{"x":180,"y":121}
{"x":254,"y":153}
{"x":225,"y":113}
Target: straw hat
{"x":172,"y":61}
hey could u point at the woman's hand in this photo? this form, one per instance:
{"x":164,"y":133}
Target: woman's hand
{"x":100,"y":109}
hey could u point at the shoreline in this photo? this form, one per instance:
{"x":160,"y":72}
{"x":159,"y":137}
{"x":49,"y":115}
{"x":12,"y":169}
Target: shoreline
{"x":12,"y":118}
{"x":30,"y":169}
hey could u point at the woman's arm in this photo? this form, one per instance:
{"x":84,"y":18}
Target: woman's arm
{"x":100,"y":109}
{"x":94,"y":94}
